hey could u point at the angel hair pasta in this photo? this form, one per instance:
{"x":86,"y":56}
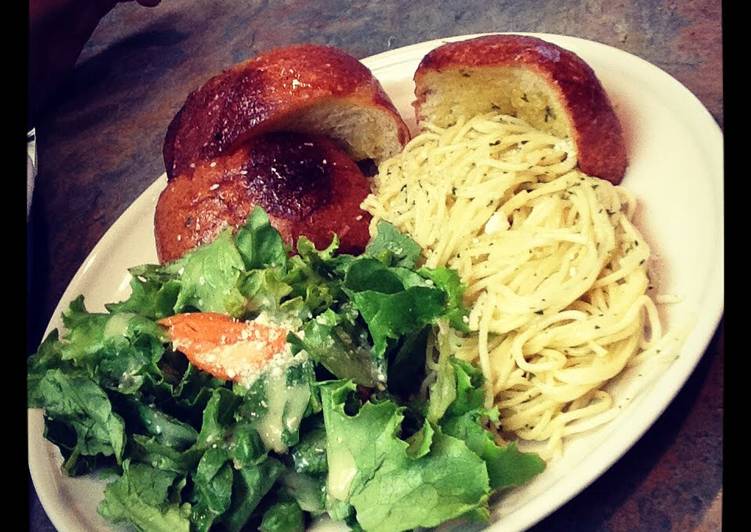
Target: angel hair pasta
{"x":556,"y":272}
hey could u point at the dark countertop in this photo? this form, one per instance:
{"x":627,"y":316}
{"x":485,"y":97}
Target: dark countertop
{"x":99,"y":147}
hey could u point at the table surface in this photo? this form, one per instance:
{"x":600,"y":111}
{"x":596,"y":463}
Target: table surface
{"x":99,"y":147}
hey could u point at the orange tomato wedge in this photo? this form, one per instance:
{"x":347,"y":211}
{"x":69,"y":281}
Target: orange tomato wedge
{"x":226,"y":348}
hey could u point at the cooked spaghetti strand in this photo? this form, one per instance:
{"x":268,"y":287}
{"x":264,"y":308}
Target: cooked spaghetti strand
{"x":556,"y":271}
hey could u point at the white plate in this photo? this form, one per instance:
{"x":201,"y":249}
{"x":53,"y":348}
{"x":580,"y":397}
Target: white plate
{"x":676,"y":172}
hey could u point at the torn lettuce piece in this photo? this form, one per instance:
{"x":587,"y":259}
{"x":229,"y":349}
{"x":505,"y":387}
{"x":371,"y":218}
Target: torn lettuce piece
{"x":153,"y":293}
{"x":339,"y":510}
{"x":284,"y":516}
{"x":391,"y":304}
{"x":220,"y":276}
{"x":149,"y":450}
{"x":218,"y":416}
{"x":278,"y":401}
{"x":264,"y":290}
{"x":226,"y":494}
{"x":507,"y":466}
{"x":251,"y":485}
{"x":300,"y":286}
{"x":308,"y":490}
{"x":465,"y":417}
{"x":335,"y":341}
{"x":234,"y":472}
{"x":469,"y":387}
{"x":84,"y":338}
{"x":212,"y":483}
{"x":259,"y":244}
{"x":393,"y":248}
{"x":119,"y":351}
{"x":167,"y":430}
{"x":309,"y":455}
{"x":320,"y":261}
{"x":47,"y":357}
{"x":391,"y":484}
{"x":448,"y":280}
{"x":406,"y":493}
{"x":208,"y":277}
{"x":78,"y":403}
{"x":442,"y":391}
{"x":147,"y":498}
{"x":421,"y":441}
{"x":406,"y":366}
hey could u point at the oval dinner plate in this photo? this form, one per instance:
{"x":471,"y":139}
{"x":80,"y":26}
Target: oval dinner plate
{"x":676,"y":172}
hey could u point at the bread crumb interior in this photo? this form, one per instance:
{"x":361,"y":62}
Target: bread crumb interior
{"x":514,"y":91}
{"x":365,"y":133}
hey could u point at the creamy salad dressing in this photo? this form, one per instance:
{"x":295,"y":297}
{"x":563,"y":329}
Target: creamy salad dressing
{"x":285,"y":405}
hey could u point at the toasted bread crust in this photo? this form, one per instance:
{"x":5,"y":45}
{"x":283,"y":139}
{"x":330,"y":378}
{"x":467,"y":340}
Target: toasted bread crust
{"x":261,"y":95}
{"x":239,"y":142}
{"x":595,"y":128}
{"x":315,"y":197}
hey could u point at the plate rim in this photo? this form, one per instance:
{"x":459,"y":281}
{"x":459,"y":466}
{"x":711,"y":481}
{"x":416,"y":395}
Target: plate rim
{"x":603,"y":457}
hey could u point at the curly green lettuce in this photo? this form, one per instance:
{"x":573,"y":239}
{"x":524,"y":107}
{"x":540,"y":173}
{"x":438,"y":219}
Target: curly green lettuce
{"x":339,"y":430}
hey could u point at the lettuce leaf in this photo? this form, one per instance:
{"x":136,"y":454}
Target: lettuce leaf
{"x":79,"y":403}
{"x":251,"y":485}
{"x":390,"y":484}
{"x":333,"y":341}
{"x":465,"y":418}
{"x":149,"y":450}
{"x":235,"y":471}
{"x":397,"y":478}
{"x":284,"y":516}
{"x":213,"y":488}
{"x":209,"y":276}
{"x":86,"y":333}
{"x":150,"y":421}
{"x":507,"y":466}
{"x":147,"y":498}
{"x":119,"y":351}
{"x":47,"y":357}
{"x":259,"y":244}
{"x":470,"y":395}
{"x":308,"y":490}
{"x":406,"y":366}
{"x":265,"y":289}
{"x":309,"y":456}
{"x":153,"y":294}
{"x":448,"y":280}
{"x":392,"y":303}
{"x":393,"y":248}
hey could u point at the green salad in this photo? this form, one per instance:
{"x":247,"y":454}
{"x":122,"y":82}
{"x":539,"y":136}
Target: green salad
{"x":351,"y":426}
